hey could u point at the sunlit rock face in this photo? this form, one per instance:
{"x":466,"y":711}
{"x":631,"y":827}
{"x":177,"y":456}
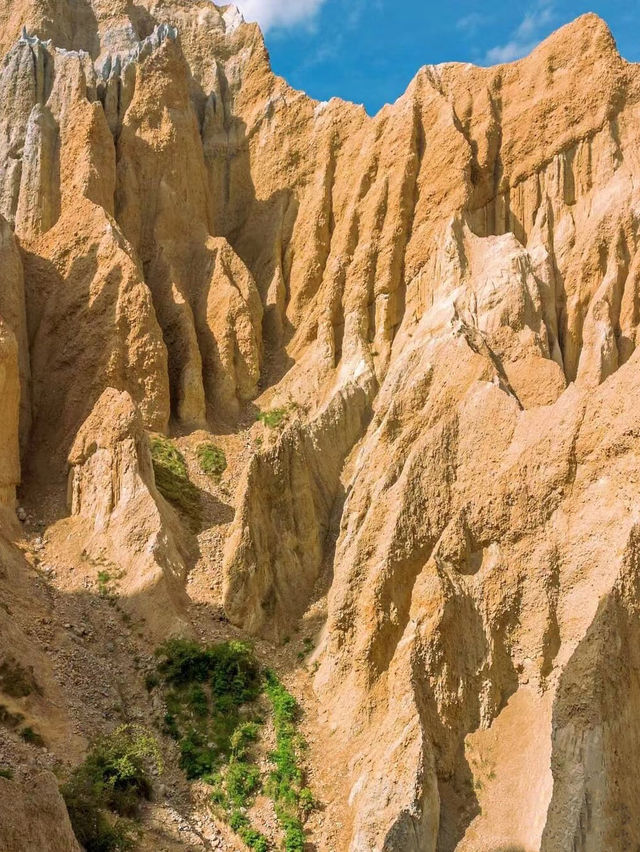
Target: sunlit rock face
{"x":446,"y":295}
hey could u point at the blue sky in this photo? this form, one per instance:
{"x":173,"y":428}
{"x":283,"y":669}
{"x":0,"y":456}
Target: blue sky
{"x":367,"y":51}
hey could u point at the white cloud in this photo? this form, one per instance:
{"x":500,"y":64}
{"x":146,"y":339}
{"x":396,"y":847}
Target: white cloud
{"x":271,"y":14}
{"x":470,"y":23}
{"x":531,"y":29}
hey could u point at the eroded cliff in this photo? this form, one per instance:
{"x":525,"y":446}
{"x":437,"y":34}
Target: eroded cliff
{"x":433,"y":312}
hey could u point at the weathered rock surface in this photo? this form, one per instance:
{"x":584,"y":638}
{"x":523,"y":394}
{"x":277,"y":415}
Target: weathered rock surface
{"x":446,"y":294}
{"x":111,"y":486}
{"x":35,"y":818}
{"x":277,"y":543}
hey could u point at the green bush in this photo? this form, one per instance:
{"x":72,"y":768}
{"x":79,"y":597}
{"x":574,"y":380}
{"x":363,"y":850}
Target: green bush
{"x":198,"y":701}
{"x":113,"y":780}
{"x":273,"y":419}
{"x":172,"y":478}
{"x":242,"y":782}
{"x":242,"y":737}
{"x":197,"y":757}
{"x":213,"y":460}
{"x":6,"y":772}
{"x":241,"y":825}
{"x":208,"y":684}
{"x":229,"y":668}
{"x":210,"y":696}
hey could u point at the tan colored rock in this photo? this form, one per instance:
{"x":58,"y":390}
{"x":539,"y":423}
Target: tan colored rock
{"x":112,"y":486}
{"x":9,"y":416}
{"x":287,"y":496}
{"x":35,"y":817}
{"x":13,"y":313}
{"x":463,"y":266}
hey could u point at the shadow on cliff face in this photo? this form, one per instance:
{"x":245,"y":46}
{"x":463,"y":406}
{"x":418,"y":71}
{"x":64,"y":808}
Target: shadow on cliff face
{"x":78,"y":331}
{"x":471,"y":644}
{"x":259,"y":230}
{"x":67,"y":370}
{"x":595,"y":732}
{"x":92,"y":652}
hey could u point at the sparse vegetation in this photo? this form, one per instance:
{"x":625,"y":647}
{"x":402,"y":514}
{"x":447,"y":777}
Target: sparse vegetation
{"x":9,"y":719}
{"x":212,"y":459}
{"x":211,"y":696}
{"x":172,"y":478}
{"x":104,"y":579}
{"x":292,"y":799}
{"x":16,"y":680}
{"x":239,"y":822}
{"x":31,"y":736}
{"x":6,"y":772}
{"x":273,"y":418}
{"x":104,"y":793}
{"x":207,"y":687}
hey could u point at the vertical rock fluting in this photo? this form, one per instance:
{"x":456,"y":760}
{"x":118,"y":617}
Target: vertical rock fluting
{"x":9,"y":416}
{"x":112,"y":487}
{"x":464,"y":266}
{"x":277,"y":542}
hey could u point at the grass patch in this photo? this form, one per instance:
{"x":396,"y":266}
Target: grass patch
{"x":207,"y":688}
{"x":293,"y":801}
{"x":104,"y":793}
{"x":16,"y":680}
{"x":256,"y":841}
{"x":172,"y":478}
{"x":104,"y":587}
{"x":6,"y":772}
{"x":212,"y":459}
{"x":273,"y":419}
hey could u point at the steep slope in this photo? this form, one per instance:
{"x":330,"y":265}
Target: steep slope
{"x":435,"y":313}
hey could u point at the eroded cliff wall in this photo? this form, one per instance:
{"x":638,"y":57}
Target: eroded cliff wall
{"x":444,"y":298}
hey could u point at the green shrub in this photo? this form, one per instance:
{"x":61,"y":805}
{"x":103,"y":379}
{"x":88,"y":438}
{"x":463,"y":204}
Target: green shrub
{"x":273,"y":419}
{"x":230,"y":668}
{"x":172,"y":478}
{"x":213,"y":460}
{"x":241,"y":738}
{"x":6,"y":772}
{"x":171,"y":726}
{"x":242,"y":782}
{"x":113,"y":779}
{"x":241,"y":825}
{"x":306,"y":801}
{"x":209,"y":684}
{"x":197,"y":757}
{"x":31,"y":736}
{"x":210,"y":693}
{"x":198,"y":701}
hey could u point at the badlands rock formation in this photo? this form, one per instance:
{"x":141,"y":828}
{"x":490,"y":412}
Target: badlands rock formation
{"x":442,"y":302}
